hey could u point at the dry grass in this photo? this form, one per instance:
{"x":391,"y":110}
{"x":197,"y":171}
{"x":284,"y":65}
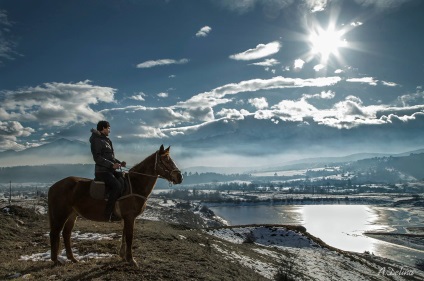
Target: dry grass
{"x":163,"y":251}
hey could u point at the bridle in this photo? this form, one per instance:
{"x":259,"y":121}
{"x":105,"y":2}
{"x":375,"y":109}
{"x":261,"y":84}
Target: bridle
{"x":166,"y":169}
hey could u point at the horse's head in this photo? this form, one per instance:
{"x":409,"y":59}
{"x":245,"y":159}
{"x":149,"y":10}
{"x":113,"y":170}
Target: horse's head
{"x":166,"y":168}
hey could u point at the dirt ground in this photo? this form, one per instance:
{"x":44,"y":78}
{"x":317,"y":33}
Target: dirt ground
{"x":163,"y":251}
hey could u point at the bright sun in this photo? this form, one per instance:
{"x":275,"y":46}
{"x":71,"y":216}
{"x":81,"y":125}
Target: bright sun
{"x":327,"y":42}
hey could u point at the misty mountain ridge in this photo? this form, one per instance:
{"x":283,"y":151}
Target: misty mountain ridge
{"x":65,"y":151}
{"x":60,"y":151}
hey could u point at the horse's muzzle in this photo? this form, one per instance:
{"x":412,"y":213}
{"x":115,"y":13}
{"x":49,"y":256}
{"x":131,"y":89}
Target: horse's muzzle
{"x":176,"y":177}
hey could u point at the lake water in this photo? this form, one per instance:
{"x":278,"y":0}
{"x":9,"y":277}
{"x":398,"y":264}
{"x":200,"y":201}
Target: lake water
{"x":341,"y":226}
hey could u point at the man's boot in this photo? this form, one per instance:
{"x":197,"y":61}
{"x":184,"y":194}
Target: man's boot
{"x":110,"y":206}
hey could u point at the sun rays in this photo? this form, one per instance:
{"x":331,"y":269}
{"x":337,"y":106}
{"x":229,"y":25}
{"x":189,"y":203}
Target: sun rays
{"x":326,"y":42}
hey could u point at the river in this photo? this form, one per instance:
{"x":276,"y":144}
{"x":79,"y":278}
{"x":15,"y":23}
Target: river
{"x":341,"y":226}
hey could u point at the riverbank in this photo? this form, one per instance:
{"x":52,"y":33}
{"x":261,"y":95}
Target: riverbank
{"x":413,"y":241}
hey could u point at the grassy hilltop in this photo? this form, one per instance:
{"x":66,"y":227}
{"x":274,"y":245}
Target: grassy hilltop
{"x":180,"y":247}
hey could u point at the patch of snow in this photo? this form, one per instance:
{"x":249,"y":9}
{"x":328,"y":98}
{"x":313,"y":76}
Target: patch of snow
{"x":62,"y":257}
{"x":299,"y":256}
{"x":264,"y":235}
{"x":91,"y":236}
{"x":265,"y":269}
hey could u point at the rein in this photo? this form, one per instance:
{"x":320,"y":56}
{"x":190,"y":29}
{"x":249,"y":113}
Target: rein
{"x":127,"y":174}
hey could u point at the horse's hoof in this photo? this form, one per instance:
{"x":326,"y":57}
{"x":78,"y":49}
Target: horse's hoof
{"x":122,"y":254}
{"x":57,"y":263}
{"x":132,"y":262}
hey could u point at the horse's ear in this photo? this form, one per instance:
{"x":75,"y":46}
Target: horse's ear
{"x":161,"y":149}
{"x":167,"y":150}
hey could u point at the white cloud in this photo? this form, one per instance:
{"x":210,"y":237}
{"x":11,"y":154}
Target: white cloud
{"x":323,"y":95}
{"x":232,"y":113}
{"x":162,"y":95}
{"x":148,"y":132}
{"x":259,"y":103}
{"x":368,"y":80}
{"x":338,"y":71}
{"x":298,"y":64}
{"x":261,"y":51}
{"x":267,"y":62}
{"x":157,"y":117}
{"x":204,"y":31}
{"x":319,"y":67}
{"x":153,"y":63}
{"x":216,"y":96}
{"x":9,"y":132}
{"x":288,"y":110}
{"x":316,"y":5}
{"x":389,"y":84}
{"x":357,"y":23}
{"x":55,"y":104}
{"x":411,"y":99}
{"x":139,"y":97}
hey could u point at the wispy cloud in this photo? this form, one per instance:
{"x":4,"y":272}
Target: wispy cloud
{"x":389,"y":84}
{"x":7,"y":45}
{"x":204,"y":31}
{"x":366,"y":80}
{"x":267,"y":63}
{"x":216,"y":96}
{"x":153,"y":63}
{"x":162,"y":95}
{"x":382,"y":4}
{"x":323,"y":95}
{"x":261,"y":51}
{"x":243,"y":6}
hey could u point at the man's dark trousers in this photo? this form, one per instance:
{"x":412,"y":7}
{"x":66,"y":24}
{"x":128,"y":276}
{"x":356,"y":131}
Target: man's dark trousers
{"x":115,"y":184}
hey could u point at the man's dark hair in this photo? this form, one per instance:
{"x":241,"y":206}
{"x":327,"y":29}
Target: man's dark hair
{"x":102,"y":124}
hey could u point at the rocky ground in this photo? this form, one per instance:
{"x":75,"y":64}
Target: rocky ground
{"x":178,"y":241}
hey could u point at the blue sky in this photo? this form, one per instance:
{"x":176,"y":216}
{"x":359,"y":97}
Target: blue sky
{"x":224,"y":82}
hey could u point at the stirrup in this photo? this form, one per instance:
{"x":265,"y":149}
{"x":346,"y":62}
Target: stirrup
{"x":114,"y":217}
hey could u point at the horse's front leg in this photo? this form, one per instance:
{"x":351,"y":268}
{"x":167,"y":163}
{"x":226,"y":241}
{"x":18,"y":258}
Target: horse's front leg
{"x":129,"y":233}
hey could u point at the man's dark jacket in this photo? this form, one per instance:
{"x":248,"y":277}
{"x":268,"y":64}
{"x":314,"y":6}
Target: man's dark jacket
{"x":102,"y":150}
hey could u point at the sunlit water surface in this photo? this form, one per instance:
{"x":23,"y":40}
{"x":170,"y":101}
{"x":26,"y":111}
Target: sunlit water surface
{"x":340,"y":226}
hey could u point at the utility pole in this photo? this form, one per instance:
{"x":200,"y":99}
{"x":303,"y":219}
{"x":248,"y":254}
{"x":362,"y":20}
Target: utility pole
{"x":10,"y":193}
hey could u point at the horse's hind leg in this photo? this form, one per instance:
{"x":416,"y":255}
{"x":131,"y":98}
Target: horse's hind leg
{"x":122,"y":251}
{"x":56,"y":226}
{"x":66,"y":233}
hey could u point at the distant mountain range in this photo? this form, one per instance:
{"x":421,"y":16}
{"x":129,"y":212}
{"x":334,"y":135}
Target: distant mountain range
{"x":61,"y":151}
{"x":64,"y":151}
{"x":61,"y":158}
{"x":310,"y":163}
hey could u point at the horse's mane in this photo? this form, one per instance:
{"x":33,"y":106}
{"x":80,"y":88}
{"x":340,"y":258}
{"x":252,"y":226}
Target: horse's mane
{"x":143,"y":163}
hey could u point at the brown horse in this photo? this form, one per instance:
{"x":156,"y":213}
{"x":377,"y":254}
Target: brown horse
{"x":70,"y":197}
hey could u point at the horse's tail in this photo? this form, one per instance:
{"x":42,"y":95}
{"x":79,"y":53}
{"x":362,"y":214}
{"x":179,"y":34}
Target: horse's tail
{"x":58,"y":199}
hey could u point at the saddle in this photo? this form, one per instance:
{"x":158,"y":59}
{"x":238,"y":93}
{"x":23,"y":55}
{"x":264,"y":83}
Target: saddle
{"x":98,"y":190}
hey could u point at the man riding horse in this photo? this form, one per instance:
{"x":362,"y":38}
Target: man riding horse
{"x":106,"y":166}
